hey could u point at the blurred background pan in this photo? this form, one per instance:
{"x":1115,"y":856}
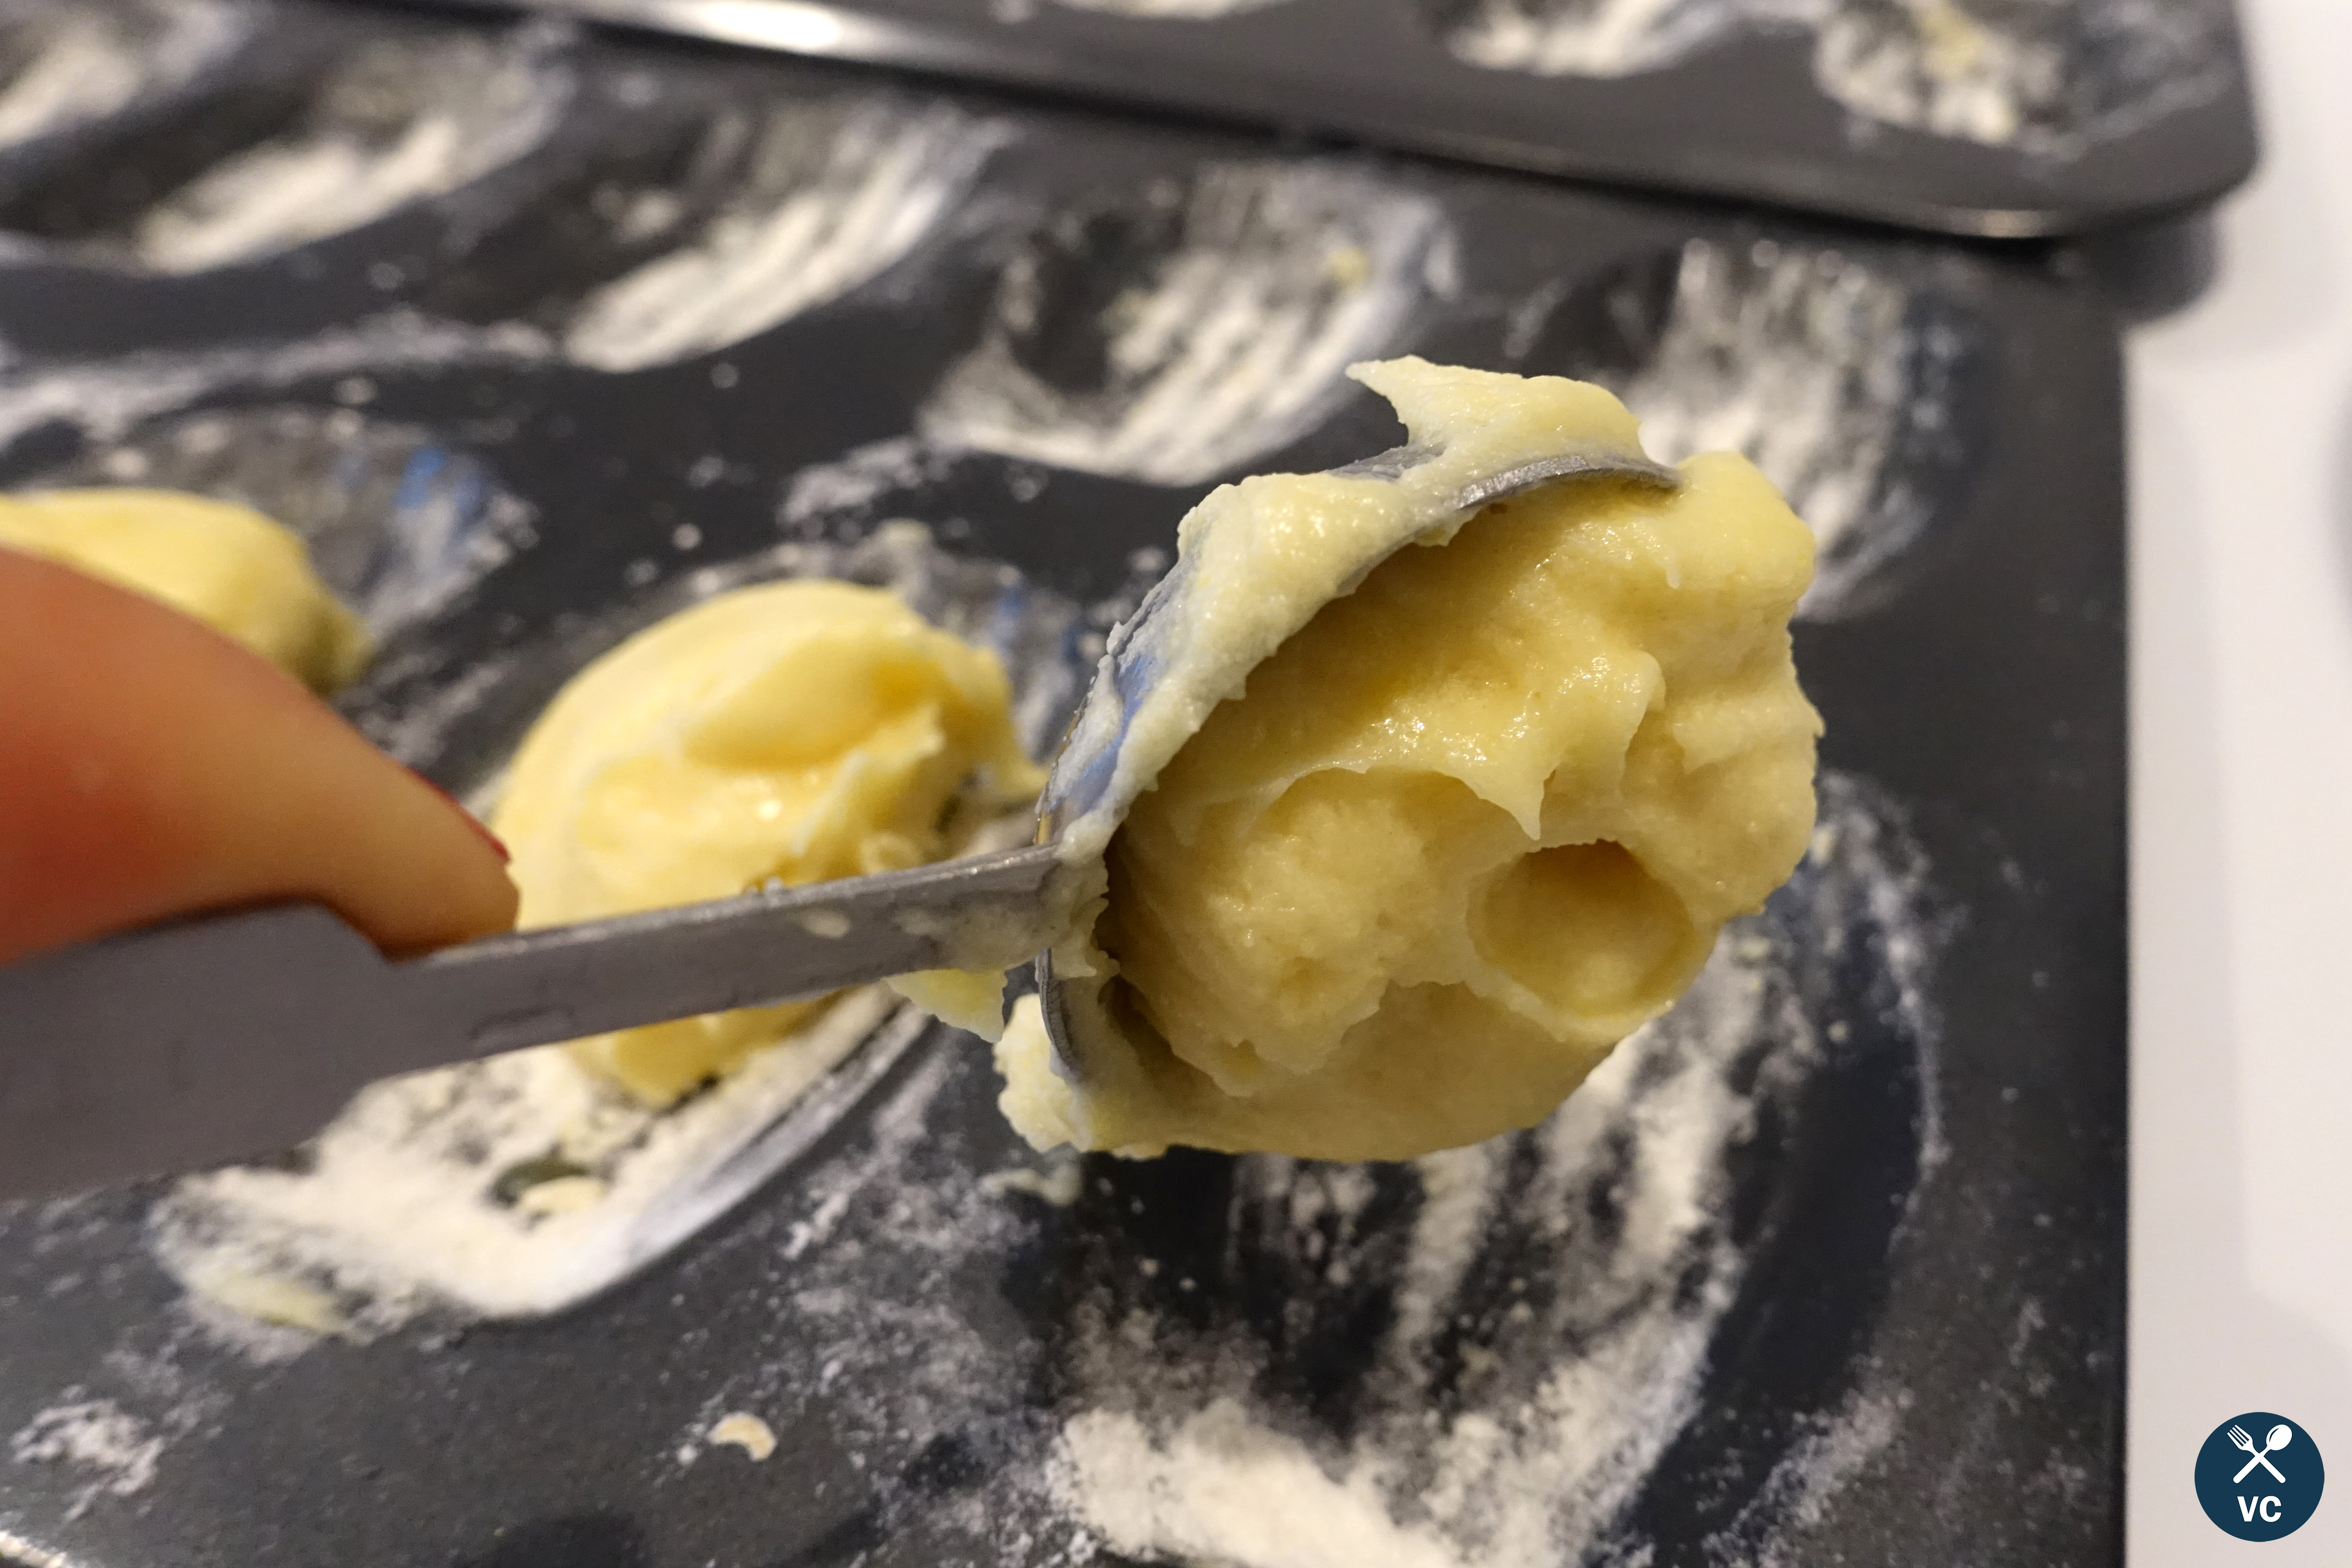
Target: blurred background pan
{"x":565,"y":331}
{"x":1998,"y":118}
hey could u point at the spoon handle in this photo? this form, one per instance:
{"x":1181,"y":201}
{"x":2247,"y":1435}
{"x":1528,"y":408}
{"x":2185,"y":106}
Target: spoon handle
{"x":223,"y":1036}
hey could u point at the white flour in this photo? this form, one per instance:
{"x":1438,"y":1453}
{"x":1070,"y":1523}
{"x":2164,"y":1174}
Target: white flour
{"x":878,"y":1351}
{"x":99,"y":1439}
{"x":113,"y":1430}
{"x":1817,"y":1466}
{"x":1555,"y":1301}
{"x":106,"y":402}
{"x":824,"y":197}
{"x":1178,"y":337}
{"x":397,"y":1208}
{"x":1842,"y":384}
{"x":74,"y":65}
{"x":400,"y":524}
{"x":396,"y":121}
{"x":1186,"y":10}
{"x":2047,"y":76}
{"x":1222,"y":1488}
{"x":859,"y":479}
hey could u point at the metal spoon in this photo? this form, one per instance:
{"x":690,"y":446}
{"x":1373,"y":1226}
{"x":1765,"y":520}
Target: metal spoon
{"x":222,"y":1036}
{"x":1133,"y":665}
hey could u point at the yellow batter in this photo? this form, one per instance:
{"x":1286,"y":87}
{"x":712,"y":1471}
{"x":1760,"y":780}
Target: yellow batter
{"x":226,"y":565}
{"x":796,"y":731}
{"x":1402,"y":859}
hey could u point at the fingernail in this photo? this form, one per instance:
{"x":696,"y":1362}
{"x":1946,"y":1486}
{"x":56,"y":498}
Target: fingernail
{"x":472,"y":821}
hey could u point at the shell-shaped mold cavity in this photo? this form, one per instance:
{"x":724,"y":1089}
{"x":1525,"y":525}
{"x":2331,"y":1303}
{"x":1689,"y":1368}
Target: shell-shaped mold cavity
{"x":1176,"y":335}
{"x":65,"y":67}
{"x":715,"y":217}
{"x":1594,"y":38}
{"x":1170,"y":10}
{"x":778,"y":210}
{"x":2046,"y":76}
{"x":2050,"y":76}
{"x":320,"y":138}
{"x":1861,"y":395}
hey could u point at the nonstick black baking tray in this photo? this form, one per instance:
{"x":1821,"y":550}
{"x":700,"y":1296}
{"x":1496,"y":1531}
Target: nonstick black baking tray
{"x":1828,"y":1266}
{"x":2006,"y":118}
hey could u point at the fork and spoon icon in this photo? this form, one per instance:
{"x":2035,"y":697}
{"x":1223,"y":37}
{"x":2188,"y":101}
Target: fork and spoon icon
{"x":2279,"y":1437}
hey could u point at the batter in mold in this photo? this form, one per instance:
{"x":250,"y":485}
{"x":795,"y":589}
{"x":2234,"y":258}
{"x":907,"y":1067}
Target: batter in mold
{"x":226,"y":565}
{"x":792,"y":732}
{"x":1392,"y":863}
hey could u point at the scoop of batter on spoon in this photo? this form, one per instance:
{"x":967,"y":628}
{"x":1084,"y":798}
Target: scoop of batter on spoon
{"x":1419,"y":784}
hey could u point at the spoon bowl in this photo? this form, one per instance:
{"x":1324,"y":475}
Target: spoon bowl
{"x":1135,"y":656}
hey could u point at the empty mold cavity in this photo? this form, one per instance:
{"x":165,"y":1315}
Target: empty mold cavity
{"x":266,"y":160}
{"x":780,"y":209}
{"x":399,"y":523}
{"x":53,"y":410}
{"x":708,"y":223}
{"x":1177,"y":334}
{"x":1860,"y":395}
{"x":1170,"y":10}
{"x":63,"y":66}
{"x":1595,"y":37}
{"x":2047,"y":76}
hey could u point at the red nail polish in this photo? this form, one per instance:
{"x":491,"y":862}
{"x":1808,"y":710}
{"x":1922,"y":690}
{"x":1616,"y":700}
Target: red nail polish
{"x":472,"y":821}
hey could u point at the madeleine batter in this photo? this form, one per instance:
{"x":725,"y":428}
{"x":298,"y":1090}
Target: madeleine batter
{"x":1391,"y":858}
{"x":795,"y":732}
{"x":226,"y":565}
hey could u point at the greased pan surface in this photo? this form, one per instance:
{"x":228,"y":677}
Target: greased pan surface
{"x":1827,"y":1265}
{"x":2000,"y":117}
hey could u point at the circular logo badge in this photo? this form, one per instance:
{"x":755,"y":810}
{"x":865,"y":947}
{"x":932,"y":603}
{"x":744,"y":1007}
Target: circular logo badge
{"x":2259,"y":1475}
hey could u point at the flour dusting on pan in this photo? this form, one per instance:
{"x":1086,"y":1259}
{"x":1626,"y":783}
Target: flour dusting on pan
{"x":104,"y":402}
{"x":1549,"y":1299}
{"x":1857,"y":390}
{"x":1177,"y":336}
{"x":399,"y":523}
{"x":819,"y":198}
{"x":62,"y":66}
{"x":1166,"y":10}
{"x":96,"y":1437}
{"x":2047,"y":76}
{"x":397,"y":121}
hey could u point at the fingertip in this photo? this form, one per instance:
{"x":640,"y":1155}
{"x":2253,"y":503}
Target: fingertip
{"x":155,"y":767}
{"x":433,"y":874}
